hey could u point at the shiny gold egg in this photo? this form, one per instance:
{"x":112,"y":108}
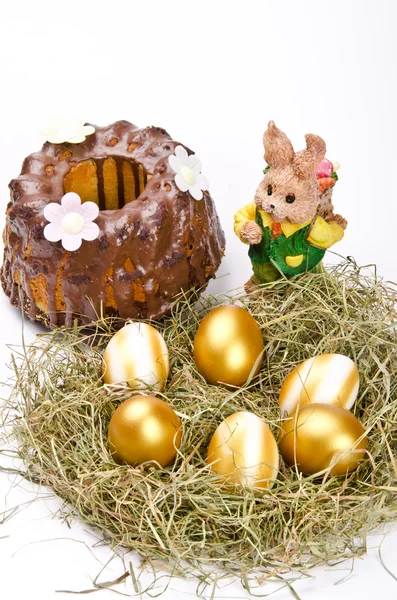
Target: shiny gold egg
{"x":137,"y":355}
{"x":243,"y":451}
{"x":323,"y":436}
{"x":142,"y":429}
{"x":326,"y":379}
{"x":228,"y":346}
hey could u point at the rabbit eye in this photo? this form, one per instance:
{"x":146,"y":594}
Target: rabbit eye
{"x":290,"y":199}
{"x":269,"y":190}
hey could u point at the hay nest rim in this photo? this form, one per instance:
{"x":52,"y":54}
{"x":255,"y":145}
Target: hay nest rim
{"x":58,"y":412}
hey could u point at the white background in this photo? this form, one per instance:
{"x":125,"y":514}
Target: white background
{"x":212,"y":73}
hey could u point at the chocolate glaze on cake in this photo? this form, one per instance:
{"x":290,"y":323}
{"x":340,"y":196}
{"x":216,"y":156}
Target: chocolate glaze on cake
{"x":154,"y":240}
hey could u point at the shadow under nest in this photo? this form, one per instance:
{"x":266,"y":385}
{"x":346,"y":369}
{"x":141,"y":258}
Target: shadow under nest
{"x":59,"y":410}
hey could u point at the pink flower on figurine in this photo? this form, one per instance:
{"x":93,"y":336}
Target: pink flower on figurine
{"x":325,"y":168}
{"x":71,"y":222}
{"x":188,"y":173}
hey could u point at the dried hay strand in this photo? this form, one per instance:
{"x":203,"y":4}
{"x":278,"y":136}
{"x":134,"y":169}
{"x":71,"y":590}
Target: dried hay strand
{"x":59,"y":410}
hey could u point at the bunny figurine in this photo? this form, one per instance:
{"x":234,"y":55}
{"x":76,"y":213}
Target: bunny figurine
{"x":290,"y":223}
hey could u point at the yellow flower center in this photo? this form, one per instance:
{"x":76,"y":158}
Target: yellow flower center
{"x":187,"y":174}
{"x":72,"y":223}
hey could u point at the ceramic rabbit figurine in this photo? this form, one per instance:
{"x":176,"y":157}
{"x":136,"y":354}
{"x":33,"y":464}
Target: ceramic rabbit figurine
{"x":290,"y":223}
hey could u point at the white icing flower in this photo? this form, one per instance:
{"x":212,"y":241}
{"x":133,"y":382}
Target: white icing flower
{"x":71,"y":221}
{"x":188,"y":173}
{"x":62,"y":130}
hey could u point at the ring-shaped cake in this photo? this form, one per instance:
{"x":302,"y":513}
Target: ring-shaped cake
{"x":154,"y":239}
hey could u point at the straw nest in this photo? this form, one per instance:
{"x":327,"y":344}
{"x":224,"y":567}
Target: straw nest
{"x":59,"y":411}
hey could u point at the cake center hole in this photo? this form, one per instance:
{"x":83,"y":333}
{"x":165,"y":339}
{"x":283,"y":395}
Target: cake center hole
{"x":110,"y":182}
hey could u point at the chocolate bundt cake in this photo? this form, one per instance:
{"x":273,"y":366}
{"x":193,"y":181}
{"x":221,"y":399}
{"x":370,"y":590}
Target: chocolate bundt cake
{"x":154,"y":239}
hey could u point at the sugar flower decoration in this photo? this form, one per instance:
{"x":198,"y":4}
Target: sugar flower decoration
{"x":188,"y":173}
{"x":62,"y":130}
{"x":71,"y":221}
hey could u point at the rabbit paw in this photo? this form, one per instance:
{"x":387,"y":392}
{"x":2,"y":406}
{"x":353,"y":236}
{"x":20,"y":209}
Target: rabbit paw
{"x":340,"y":221}
{"x":251,"y":233}
{"x":251,"y":286}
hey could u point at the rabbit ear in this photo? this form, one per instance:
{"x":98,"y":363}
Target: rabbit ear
{"x":278,"y":149}
{"x":307,"y":160}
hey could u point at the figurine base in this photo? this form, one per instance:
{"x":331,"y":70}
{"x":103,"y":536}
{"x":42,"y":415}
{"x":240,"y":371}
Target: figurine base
{"x":267,"y":273}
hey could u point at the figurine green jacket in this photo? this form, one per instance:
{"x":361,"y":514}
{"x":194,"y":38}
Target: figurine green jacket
{"x":286,"y":248}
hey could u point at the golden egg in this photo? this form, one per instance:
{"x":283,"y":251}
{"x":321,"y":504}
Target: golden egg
{"x":228,"y":346}
{"x":142,"y":429}
{"x":137,"y":355}
{"x":243,"y":451}
{"x":322,"y":436}
{"x":327,"y":379}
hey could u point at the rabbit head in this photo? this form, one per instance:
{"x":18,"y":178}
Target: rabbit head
{"x":289,"y":191}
